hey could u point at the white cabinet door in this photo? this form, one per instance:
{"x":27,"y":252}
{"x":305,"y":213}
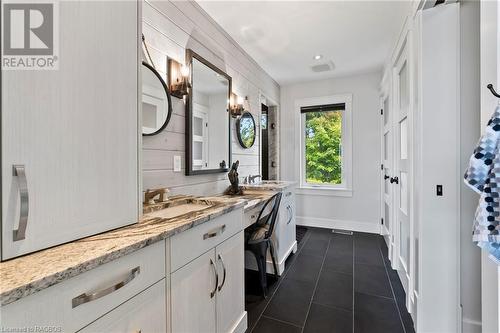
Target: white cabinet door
{"x":75,"y":131}
{"x":231,"y":290}
{"x":144,"y":313}
{"x":193,"y":295}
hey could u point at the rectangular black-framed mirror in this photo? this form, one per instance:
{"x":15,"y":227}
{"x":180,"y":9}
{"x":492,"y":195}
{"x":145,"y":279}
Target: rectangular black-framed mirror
{"x":208,"y":120}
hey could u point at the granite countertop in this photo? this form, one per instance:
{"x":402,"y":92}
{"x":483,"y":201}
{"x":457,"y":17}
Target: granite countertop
{"x":29,"y":274}
{"x":253,"y":198}
{"x":269,"y":185}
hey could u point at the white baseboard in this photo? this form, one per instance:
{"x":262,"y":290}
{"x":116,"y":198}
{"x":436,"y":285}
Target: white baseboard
{"x":471,"y":326}
{"x":369,"y":227}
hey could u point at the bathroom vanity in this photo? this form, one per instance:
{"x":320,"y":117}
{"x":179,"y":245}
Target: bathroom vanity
{"x":179,"y":269}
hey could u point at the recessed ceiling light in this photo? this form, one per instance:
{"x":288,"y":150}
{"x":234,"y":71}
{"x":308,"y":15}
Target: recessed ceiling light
{"x":318,"y":57}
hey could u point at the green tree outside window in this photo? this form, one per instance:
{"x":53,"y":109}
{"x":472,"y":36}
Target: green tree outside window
{"x":323,"y":142}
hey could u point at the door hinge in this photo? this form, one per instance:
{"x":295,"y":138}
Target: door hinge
{"x":381,"y":112}
{"x":382,"y":221}
{"x":381,"y":167}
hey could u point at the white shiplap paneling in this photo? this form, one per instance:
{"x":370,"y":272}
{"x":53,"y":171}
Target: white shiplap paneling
{"x":170,"y":28}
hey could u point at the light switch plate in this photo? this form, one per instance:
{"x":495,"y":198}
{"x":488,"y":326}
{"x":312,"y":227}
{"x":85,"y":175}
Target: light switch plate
{"x":177,"y":163}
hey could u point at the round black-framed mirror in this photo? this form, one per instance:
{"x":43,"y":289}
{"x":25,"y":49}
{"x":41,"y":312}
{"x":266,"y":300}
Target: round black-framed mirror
{"x":156,"y":101}
{"x":246,"y":129}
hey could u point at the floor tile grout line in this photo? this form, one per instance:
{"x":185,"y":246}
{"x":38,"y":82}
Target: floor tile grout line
{"x":374,"y":295}
{"x":281,"y":321}
{"x":331,"y":307}
{"x":317,"y":281}
{"x":280,"y":280}
{"x":392,"y":289}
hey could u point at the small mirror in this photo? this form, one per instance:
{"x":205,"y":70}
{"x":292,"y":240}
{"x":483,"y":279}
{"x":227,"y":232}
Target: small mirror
{"x":245,"y":127}
{"x":208,"y":119}
{"x":156,"y":104}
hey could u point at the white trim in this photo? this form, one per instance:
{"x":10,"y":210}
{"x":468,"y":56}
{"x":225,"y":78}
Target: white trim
{"x":360,"y":226}
{"x":346,"y":139}
{"x":323,"y":191}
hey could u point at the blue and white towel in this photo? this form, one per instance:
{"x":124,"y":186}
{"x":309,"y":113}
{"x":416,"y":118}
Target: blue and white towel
{"x":483,"y":176}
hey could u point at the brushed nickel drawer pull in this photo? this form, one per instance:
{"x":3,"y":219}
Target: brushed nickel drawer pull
{"x":290,"y":213}
{"x":20,"y":172}
{"x":224,"y":271}
{"x":85,"y":298}
{"x":212,"y":293}
{"x":215,"y":232}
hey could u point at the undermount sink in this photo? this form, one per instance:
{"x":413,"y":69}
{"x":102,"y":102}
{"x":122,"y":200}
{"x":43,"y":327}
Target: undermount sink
{"x":181,"y":207}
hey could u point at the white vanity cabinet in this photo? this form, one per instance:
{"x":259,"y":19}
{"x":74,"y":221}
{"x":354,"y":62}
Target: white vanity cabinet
{"x":69,"y":137}
{"x":208,"y":292}
{"x":144,"y":313}
{"x":287,"y":243}
{"x":79,"y":301}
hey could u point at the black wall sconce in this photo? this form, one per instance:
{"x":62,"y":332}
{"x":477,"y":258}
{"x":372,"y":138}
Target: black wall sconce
{"x":238,"y":105}
{"x":178,"y":78}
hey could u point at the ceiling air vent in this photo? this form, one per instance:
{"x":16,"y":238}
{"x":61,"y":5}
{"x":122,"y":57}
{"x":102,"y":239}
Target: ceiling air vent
{"x":328,"y":66}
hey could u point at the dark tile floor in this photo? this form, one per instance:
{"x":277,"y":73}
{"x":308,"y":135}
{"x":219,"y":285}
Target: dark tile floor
{"x":334,"y":283}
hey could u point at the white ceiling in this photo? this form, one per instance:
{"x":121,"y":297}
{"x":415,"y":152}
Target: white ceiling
{"x":284,"y":36}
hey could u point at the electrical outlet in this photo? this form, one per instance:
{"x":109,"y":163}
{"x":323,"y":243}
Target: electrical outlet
{"x":177,"y":163}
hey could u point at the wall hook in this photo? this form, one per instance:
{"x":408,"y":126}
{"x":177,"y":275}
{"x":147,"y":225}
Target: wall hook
{"x":490,"y":87}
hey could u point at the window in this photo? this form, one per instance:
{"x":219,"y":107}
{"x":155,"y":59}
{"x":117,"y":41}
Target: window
{"x":326,"y":143}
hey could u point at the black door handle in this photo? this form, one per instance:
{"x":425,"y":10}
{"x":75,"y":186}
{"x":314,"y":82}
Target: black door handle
{"x":395,"y":180}
{"x":386,"y":177}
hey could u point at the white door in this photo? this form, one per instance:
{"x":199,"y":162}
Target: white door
{"x":401,"y":178}
{"x":387,"y":172}
{"x":490,"y":74}
{"x":144,"y":313}
{"x":193,"y":295}
{"x":231,"y":289}
{"x":73,"y":132}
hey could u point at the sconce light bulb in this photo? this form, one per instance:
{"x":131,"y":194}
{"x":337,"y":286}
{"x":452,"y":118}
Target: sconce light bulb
{"x":184,"y":71}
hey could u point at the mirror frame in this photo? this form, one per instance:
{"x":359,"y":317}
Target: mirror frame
{"x":190,"y":55}
{"x":238,"y":130}
{"x":169,"y":100}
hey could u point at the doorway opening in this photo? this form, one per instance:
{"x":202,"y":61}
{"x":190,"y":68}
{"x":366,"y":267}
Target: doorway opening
{"x":269,"y":166}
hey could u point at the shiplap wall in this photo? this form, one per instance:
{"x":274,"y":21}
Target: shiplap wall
{"x":171,"y":27}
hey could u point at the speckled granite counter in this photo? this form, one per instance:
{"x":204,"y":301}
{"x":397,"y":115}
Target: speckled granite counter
{"x":27,"y":275}
{"x":269,"y":185}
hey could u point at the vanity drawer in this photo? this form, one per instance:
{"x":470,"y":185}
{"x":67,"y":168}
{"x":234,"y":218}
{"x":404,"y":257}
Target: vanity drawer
{"x":145,"y":313}
{"x":192,"y":243}
{"x":74,"y":303}
{"x":250,"y":216}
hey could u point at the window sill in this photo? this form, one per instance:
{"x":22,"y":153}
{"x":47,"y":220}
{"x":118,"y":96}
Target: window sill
{"x":324,"y":191}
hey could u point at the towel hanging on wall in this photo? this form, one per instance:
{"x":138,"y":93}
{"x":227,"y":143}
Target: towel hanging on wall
{"x":483,"y":176}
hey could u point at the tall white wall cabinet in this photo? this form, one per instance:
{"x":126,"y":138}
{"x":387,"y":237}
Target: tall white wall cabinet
{"x":70,"y":136}
{"x":421,"y":174}
{"x":490,"y":74}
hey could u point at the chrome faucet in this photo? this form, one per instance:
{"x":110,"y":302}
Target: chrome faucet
{"x":149,"y":196}
{"x":251,"y":179}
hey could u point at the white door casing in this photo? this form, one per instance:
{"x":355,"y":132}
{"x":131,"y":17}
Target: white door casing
{"x":402,"y":154}
{"x":386,"y":168}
